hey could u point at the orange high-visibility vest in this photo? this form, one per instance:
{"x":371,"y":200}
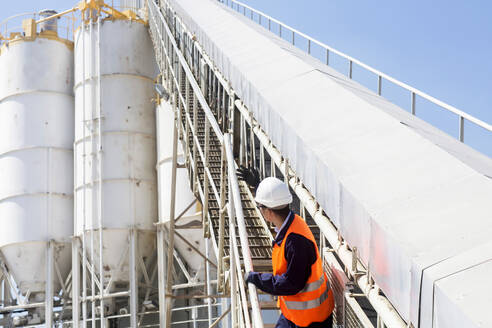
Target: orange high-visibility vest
{"x":314,"y":303}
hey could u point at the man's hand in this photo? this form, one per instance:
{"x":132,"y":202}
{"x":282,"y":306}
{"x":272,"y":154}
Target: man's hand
{"x":250,"y":175}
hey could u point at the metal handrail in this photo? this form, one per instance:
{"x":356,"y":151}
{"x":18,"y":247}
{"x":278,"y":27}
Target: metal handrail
{"x":243,"y":236}
{"x":161,"y":33}
{"x":65,"y":27}
{"x":413,"y":91}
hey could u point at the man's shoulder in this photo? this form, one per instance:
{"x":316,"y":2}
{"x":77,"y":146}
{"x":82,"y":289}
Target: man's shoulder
{"x":296,"y":244}
{"x":296,"y":239}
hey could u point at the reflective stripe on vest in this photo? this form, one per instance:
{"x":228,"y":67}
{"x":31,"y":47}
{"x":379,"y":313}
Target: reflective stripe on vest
{"x":315,"y":285}
{"x":306,"y":305}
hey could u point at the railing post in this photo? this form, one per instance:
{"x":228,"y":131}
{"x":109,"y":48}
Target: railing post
{"x":328,"y":57}
{"x":269,"y":24}
{"x":380,"y":80}
{"x":413,"y":103}
{"x":350,"y":69}
{"x":262,"y":162}
{"x":462,"y":129}
{"x":253,"y":147}
{"x":280,"y":30}
{"x":309,"y":46}
{"x":293,"y":38}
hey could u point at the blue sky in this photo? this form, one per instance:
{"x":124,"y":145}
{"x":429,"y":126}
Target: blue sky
{"x":440,"y":47}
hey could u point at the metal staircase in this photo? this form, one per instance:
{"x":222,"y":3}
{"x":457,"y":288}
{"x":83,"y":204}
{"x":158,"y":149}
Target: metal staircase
{"x":218,"y":133}
{"x":241,"y":238}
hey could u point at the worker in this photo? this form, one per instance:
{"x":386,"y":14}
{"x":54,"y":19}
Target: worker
{"x":304,"y":294}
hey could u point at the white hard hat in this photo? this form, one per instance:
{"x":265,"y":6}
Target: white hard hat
{"x":273,"y":193}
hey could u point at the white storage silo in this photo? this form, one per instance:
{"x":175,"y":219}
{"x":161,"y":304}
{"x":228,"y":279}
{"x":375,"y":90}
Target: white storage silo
{"x":115,"y":152}
{"x":191,"y":218}
{"x":36,"y":159}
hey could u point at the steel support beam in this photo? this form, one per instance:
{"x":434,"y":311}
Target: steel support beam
{"x":75,"y":282}
{"x":133,"y":278}
{"x":49,"y":285}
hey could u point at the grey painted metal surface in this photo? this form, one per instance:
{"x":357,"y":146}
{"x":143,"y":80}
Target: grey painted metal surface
{"x":398,"y":196}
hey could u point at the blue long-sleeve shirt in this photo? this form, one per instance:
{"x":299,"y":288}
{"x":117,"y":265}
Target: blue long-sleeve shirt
{"x":300,"y":254}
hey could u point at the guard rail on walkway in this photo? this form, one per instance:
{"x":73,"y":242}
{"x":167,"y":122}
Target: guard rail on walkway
{"x":283,"y":30}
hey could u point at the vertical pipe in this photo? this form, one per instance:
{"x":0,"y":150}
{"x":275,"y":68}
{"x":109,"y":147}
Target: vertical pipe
{"x":244,"y":141}
{"x":209,"y":286}
{"x":133,"y":278}
{"x":99,"y":163}
{"x":75,"y":282}
{"x":327,"y":57}
{"x":350,"y":69}
{"x":84,"y":183}
{"x":286,"y":171}
{"x":413,"y":102}
{"x":253,"y":147}
{"x":241,"y":144}
{"x":49,"y":286}
{"x":293,"y":38}
{"x":262,"y":162}
{"x":93,"y":275}
{"x":161,"y":273}
{"x":2,"y":290}
{"x":75,"y":255}
{"x":380,"y":80}
{"x":159,"y":232}
{"x":309,"y":46}
{"x":170,"y":242}
{"x":462,"y":129}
